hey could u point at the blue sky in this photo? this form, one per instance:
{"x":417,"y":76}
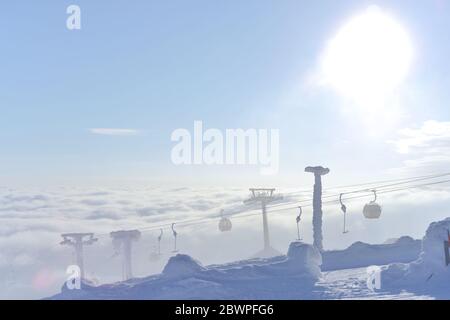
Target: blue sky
{"x":155,"y":66}
{"x":151,"y":67}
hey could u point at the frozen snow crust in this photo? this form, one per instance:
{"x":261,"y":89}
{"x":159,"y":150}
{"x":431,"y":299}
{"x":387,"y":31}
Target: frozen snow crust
{"x":303,"y":273}
{"x":359,"y":254}
{"x":291,"y":276}
{"x":427,"y":274}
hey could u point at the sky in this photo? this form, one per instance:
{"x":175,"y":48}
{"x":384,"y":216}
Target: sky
{"x":89,"y":114}
{"x":154,"y":67}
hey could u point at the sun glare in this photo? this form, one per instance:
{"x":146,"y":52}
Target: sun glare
{"x":368,"y":57}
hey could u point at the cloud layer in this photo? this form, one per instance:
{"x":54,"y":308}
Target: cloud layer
{"x":33,"y":264}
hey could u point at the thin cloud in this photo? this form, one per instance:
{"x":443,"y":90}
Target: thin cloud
{"x":425,"y":147}
{"x":432,"y":137}
{"x":114,"y":131}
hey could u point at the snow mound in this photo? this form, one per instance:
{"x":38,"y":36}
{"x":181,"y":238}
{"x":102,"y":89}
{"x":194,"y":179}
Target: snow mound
{"x":401,"y":240}
{"x":360,"y":254}
{"x":86,"y":285}
{"x":305,"y":258}
{"x":284,"y":277}
{"x":429,"y":271}
{"x":182,"y":265}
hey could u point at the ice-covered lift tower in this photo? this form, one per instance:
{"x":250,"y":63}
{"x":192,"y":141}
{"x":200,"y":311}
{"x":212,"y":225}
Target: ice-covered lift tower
{"x":317,"y":204}
{"x":122,"y":240}
{"x":78,"y":240}
{"x":264,"y":196}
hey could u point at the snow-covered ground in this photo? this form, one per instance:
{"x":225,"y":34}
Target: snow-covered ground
{"x":294,"y":276}
{"x":359,"y":254}
{"x":352,"y":284}
{"x":339,"y":284}
{"x":430,"y":272}
{"x":288,"y":277}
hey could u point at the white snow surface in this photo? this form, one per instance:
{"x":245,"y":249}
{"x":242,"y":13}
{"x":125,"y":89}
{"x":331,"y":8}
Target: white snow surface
{"x":182,"y":265}
{"x":287,"y":277}
{"x":429,"y":273}
{"x":359,"y":254}
{"x":297,"y":275}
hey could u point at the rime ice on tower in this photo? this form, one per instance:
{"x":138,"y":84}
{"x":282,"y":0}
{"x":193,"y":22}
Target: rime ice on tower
{"x":122,"y":242}
{"x":305,"y":259}
{"x":317,"y":204}
{"x":264,"y":196}
{"x":78,"y":240}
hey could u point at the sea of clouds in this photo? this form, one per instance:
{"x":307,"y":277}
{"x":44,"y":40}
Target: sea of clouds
{"x":33,"y":263}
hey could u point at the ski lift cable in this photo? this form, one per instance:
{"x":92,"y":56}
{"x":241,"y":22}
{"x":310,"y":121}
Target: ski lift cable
{"x":365,"y":189}
{"x":410,"y":179}
{"x":246,"y":213}
{"x":365,"y":195}
{"x":193,"y":221}
{"x":325,"y":203}
{"x":371,"y":194}
{"x":405,"y":180}
{"x":202,"y":220}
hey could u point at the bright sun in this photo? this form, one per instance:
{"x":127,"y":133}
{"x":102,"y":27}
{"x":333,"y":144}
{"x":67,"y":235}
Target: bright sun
{"x":368,"y":58}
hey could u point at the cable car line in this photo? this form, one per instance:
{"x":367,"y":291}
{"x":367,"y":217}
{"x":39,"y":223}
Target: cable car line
{"x":406,"y":180}
{"x":247,"y":213}
{"x":366,"y":190}
{"x":199,"y":221}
